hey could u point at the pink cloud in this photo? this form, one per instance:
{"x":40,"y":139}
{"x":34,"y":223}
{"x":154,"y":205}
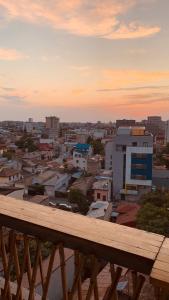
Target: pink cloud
{"x":11,"y":54}
{"x":80,"y":17}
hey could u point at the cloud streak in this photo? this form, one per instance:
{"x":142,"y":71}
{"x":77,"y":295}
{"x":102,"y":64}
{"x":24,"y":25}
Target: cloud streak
{"x":136,"y":88}
{"x":11,"y":54}
{"x":13,"y":99}
{"x":80,"y":17}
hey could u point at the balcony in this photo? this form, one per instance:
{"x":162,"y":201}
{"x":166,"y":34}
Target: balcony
{"x":129,"y":192}
{"x":144,"y":255}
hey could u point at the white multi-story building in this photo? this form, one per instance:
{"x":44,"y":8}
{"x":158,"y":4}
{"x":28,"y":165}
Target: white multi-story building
{"x":81,"y":154}
{"x":129,"y":156}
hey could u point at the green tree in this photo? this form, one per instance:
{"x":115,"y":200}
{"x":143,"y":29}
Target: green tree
{"x":158,"y":198}
{"x":8,"y":155}
{"x":77,"y":197}
{"x":154,"y":213}
{"x":154,"y":219}
{"x":26,"y":142}
{"x":98,"y":147}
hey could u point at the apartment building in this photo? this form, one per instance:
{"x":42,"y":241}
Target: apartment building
{"x":129,"y":155}
{"x":52,"y":127}
{"x":81,"y":154}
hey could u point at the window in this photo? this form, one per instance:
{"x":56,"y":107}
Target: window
{"x":98,"y":195}
{"x":139,"y":155}
{"x":120,"y":148}
{"x":77,"y":161}
{"x":134,"y":144}
{"x":124,"y":148}
{"x":145,"y":144}
{"x":138,"y":177}
{"x":104,"y":198}
{"x":138,"y":166}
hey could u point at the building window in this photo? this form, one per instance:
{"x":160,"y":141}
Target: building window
{"x":138,"y":166}
{"x":98,"y":195}
{"x":104,"y":198}
{"x":138,"y":177}
{"x":124,"y":148}
{"x":145,"y":144}
{"x":120,"y":148}
{"x":134,"y":144}
{"x":139,"y":155}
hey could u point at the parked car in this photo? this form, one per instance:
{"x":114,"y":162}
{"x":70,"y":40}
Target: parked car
{"x":64,"y":206}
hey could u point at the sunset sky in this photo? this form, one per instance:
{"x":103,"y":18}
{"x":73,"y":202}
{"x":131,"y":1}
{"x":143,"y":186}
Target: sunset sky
{"x":84,"y":60}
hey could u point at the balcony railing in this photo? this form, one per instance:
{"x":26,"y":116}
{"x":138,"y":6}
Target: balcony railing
{"x":25,"y":229}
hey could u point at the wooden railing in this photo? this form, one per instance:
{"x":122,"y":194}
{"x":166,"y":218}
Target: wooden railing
{"x":26,"y":227}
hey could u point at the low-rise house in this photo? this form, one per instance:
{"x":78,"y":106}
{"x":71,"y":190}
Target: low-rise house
{"x":47,"y":151}
{"x":52,"y":181}
{"x":29,"y":166}
{"x":84,"y":184}
{"x":94,"y":165}
{"x":98,"y":209}
{"x":102,"y":190}
{"x":3,"y":161}
{"x":32,"y":155}
{"x":9,"y":176}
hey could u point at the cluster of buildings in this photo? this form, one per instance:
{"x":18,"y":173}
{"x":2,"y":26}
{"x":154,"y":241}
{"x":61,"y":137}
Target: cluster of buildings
{"x":63,"y":158}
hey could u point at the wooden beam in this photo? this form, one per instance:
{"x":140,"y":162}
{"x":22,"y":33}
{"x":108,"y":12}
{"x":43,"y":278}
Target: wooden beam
{"x":121,"y":245}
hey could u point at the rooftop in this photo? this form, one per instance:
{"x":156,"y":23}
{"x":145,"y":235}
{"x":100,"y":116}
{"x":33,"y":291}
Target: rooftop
{"x":98,"y":209}
{"x":5,"y":172}
{"x":102,"y":184}
{"x":82,"y":147}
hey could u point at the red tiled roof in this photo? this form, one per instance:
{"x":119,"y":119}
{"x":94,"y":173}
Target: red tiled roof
{"x":45,"y":147}
{"x":127,"y":213}
{"x":8,"y":172}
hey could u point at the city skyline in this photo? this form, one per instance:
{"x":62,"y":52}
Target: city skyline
{"x":84,"y":61}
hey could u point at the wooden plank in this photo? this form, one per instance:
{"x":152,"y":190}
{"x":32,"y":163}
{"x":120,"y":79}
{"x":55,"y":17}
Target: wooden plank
{"x":166,"y":244}
{"x":121,"y":245}
{"x":161,"y":265}
{"x":124,"y":234}
{"x":74,"y":219}
{"x":163,"y":257}
{"x":160,"y":272}
{"x":160,"y":278}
